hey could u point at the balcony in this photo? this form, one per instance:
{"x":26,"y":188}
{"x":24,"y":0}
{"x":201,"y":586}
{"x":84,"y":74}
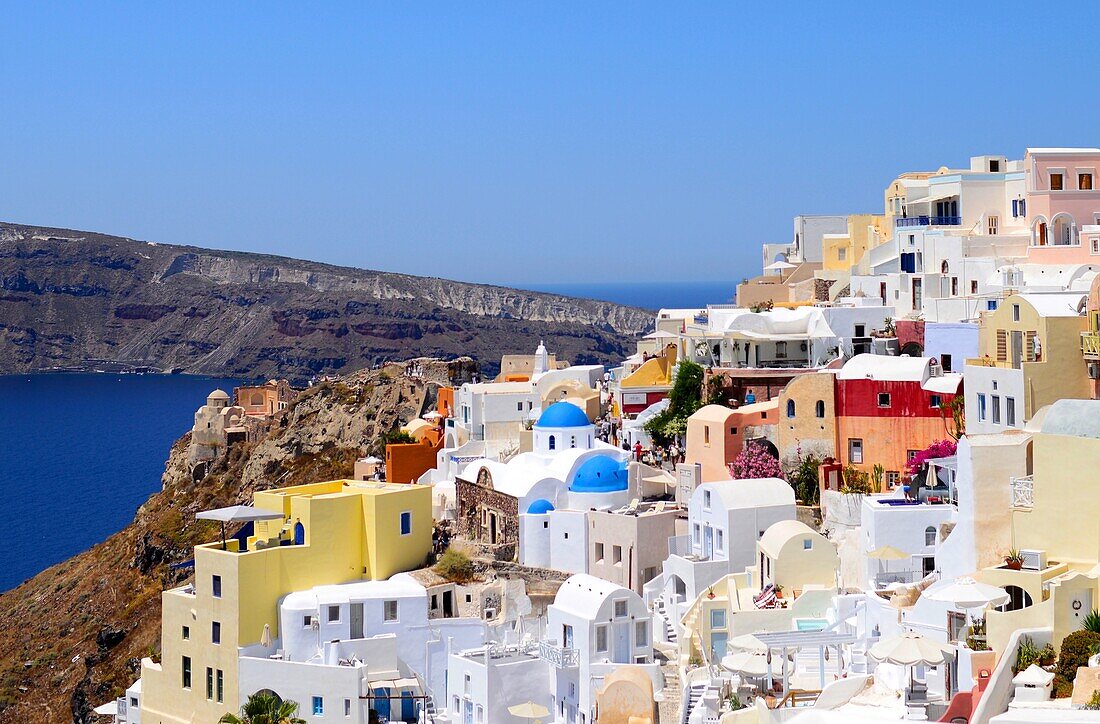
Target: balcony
{"x":1090,"y":344}
{"x":1023,"y":492}
{"x":913,"y":221}
{"x":679,"y":545}
{"x":559,"y":656}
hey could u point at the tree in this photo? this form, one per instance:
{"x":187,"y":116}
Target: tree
{"x":455,"y":566}
{"x":938,"y":449}
{"x":755,"y":462}
{"x":263,"y":708}
{"x":685,"y":397}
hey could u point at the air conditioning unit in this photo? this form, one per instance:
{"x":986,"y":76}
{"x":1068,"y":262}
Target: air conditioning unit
{"x":1094,"y":370}
{"x":1034,"y":560}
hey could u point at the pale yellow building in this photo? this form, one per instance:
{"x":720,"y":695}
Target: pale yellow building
{"x":324,"y":533}
{"x":808,"y":426}
{"x":843,"y":252}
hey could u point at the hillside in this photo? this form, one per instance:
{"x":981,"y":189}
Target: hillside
{"x":82,"y":300}
{"x":73,"y":636}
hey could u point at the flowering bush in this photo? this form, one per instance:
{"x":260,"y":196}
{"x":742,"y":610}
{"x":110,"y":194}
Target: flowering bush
{"x":938,"y":449}
{"x":755,"y":462}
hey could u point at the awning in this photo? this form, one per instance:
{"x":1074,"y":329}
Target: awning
{"x":238,"y":514}
{"x":930,"y":199}
{"x":108,"y":709}
{"x":406,"y":683}
{"x":662,"y":478}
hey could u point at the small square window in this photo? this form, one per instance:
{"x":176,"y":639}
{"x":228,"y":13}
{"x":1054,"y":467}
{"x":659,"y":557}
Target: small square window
{"x":706,"y":500}
{"x":807,"y":544}
{"x":718,"y":618}
{"x":599,"y":553}
{"x":884,"y":399}
{"x":1056,"y":182}
{"x":620,"y":609}
{"x":616,"y":554}
{"x":935,"y":401}
{"x":307,"y":621}
{"x":333,"y":614}
{"x":389,"y":611}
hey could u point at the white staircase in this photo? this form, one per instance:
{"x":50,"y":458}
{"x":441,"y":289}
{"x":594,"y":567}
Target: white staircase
{"x":694,"y":696}
{"x":669,"y":629}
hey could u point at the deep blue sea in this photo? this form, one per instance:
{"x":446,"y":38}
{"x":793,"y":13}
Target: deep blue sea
{"x":79,"y":453}
{"x":647,"y":295}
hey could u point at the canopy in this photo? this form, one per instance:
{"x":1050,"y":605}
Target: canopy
{"x":108,"y":709}
{"x":238,"y":514}
{"x":371,"y":460}
{"x":747,"y":642}
{"x":753,"y":664}
{"x":661,"y":334}
{"x":965,"y":592}
{"x":529,"y":710}
{"x":661,"y":478}
{"x":433,"y":415}
{"x":778,"y":266}
{"x":911,"y":649}
{"x":888,"y":553}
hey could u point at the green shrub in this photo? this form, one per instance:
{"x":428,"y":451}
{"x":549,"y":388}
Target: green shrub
{"x":1076,"y":649}
{"x":455,"y":566}
{"x":1092,"y":621}
{"x":1029,"y":653}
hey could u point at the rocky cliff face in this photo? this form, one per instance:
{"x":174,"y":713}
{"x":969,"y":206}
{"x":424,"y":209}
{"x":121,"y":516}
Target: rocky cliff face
{"x":74,"y":299}
{"x":73,"y":636}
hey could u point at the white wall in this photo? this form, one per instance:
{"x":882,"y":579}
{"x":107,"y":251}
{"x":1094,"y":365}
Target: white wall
{"x":569,"y":541}
{"x":990,"y":381}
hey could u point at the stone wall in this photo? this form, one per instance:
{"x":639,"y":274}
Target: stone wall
{"x":474,"y":502}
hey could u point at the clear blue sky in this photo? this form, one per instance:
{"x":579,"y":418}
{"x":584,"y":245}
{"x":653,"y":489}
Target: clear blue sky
{"x":516,"y":142}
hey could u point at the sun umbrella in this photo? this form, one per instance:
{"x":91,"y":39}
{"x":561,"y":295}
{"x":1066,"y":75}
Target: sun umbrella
{"x":910,"y":649}
{"x":529,"y":710}
{"x":753,"y":664}
{"x":966,"y":593}
{"x":747,"y":642}
{"x":888,"y":553}
{"x":779,"y":266}
{"x":265,"y":637}
{"x":433,"y":415}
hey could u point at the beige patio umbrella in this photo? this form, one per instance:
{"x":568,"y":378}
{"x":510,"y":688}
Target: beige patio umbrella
{"x":747,"y":642}
{"x":888,"y":553}
{"x":911,"y":649}
{"x":529,"y":710}
{"x":265,"y":637}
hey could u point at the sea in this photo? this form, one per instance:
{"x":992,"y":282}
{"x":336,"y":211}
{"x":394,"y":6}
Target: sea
{"x":647,"y":295}
{"x":79,"y":453}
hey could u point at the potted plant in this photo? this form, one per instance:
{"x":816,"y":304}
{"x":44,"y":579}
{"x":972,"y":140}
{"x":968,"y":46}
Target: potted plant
{"x":710,"y":592}
{"x":778,"y":591}
{"x":1014,"y":561}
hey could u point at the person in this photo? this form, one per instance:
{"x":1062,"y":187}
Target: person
{"x":673,"y":454}
{"x":659,"y":455}
{"x":638,"y":451}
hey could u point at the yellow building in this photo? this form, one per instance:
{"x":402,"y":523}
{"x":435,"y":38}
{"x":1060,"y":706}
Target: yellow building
{"x":1029,"y":357}
{"x":324,"y":533}
{"x":842,"y":252}
{"x":807,"y":418}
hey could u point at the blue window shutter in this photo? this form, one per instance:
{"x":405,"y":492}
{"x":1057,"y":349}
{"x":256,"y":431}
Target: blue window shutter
{"x":1015,"y":208}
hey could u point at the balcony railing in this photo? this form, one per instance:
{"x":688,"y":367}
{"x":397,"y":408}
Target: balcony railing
{"x":1023,"y":492}
{"x":1090,"y":343}
{"x":679,"y":545}
{"x":559,"y":656}
{"x":928,"y":221}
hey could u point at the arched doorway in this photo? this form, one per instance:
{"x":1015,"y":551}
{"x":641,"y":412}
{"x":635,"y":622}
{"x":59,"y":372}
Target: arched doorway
{"x":913,"y":349}
{"x":1017,"y":598}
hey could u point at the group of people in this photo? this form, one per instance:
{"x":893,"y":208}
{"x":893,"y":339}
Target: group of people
{"x":659,"y":456}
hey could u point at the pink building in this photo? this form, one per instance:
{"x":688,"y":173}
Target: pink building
{"x":1063,"y":197}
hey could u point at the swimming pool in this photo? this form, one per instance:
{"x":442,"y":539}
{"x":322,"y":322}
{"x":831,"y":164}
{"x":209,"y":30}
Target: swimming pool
{"x":810,"y":624}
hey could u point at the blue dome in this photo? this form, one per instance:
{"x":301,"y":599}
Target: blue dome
{"x":540,"y":507}
{"x":563,"y":414}
{"x":600,"y":474}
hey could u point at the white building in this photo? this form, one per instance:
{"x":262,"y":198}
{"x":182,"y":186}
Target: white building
{"x":910,"y":526}
{"x":491,"y":411}
{"x":482,"y":683}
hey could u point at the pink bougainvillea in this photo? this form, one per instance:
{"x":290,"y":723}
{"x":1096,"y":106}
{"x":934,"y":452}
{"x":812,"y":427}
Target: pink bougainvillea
{"x":938,"y":449}
{"x":755,"y":462}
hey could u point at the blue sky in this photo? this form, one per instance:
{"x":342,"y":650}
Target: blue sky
{"x":515,"y":142}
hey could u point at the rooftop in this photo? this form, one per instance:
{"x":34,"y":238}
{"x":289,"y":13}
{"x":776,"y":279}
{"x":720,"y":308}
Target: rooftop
{"x":884,"y":368}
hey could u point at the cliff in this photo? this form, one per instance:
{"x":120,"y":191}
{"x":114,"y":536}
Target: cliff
{"x":73,"y":636}
{"x":82,"y":300}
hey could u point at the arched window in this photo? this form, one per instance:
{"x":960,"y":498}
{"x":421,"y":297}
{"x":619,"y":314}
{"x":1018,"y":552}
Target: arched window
{"x":299,"y":534}
{"x":552,"y":443}
{"x":1017,"y":598}
{"x":944,"y":268}
{"x":930,"y":535}
{"x":819,"y":408}
{"x":790,"y":408}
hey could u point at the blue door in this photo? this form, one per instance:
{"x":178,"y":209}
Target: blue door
{"x":381,"y":705}
{"x":408,"y":707}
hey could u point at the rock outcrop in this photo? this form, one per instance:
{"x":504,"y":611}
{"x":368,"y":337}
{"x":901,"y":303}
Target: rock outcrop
{"x":73,"y":636}
{"x":82,"y":300}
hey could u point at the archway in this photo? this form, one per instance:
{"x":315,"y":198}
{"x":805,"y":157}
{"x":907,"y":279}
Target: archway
{"x":1039,"y":231}
{"x":913,"y":349}
{"x":1017,"y":598}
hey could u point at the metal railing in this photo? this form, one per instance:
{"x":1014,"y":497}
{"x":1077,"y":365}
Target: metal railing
{"x":679,"y":545}
{"x":559,"y":656}
{"x":928,"y":221}
{"x":1023,"y":492}
{"x":1090,"y":343}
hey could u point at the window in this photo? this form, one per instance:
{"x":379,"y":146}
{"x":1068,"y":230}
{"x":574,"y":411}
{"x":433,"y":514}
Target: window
{"x":333,"y":614}
{"x":819,"y":409}
{"x":954,"y":286}
{"x":641,"y":633}
{"x":1084,"y":181}
{"x":981,"y":407}
{"x":1015,"y":208}
{"x":855,"y":451}
{"x":991,"y":305}
{"x":616,"y":554}
{"x":1094,"y":244}
{"x":992,"y":223}
{"x":930,"y":535}
{"x":215,"y":632}
{"x":1023,"y":207}
{"x":601,"y":638}
{"x":551,"y":442}
{"x":209,"y":684}
{"x":1055,"y":181}
{"x":307,"y":621}
{"x":186,"y":672}
{"x":221,"y":686}
{"x":861,"y":330}
{"x":347,"y":708}
{"x":910,"y":455}
{"x":1015,"y":312}
{"x":389,"y":611}
{"x":841,"y":254}
{"x":406,"y":523}
{"x":780,"y":350}
{"x":935,"y":401}
{"x":718,"y":618}
{"x":318,"y":706}
{"x":945,"y":362}
{"x":884,"y":399}
{"x":807,"y":544}
{"x":186,"y":633}
{"x":695,"y":533}
{"x":1010,"y":411}
{"x":733,"y":431}
{"x":720,"y":540}
{"x":519,"y":407}
{"x":973,"y":286}
{"x":790,"y":408}
{"x":706,"y":500}
{"x":706,"y":434}
{"x":893,"y":477}
{"x":995,"y":401}
{"x":599,"y":553}
{"x":216,"y":586}
{"x":620,"y":609}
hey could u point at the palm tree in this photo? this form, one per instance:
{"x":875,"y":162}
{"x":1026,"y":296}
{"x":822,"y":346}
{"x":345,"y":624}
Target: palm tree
{"x":264,"y":708}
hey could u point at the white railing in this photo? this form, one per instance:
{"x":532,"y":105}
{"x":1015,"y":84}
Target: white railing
{"x":559,"y":656}
{"x":679,"y":545}
{"x":1023,"y":492}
